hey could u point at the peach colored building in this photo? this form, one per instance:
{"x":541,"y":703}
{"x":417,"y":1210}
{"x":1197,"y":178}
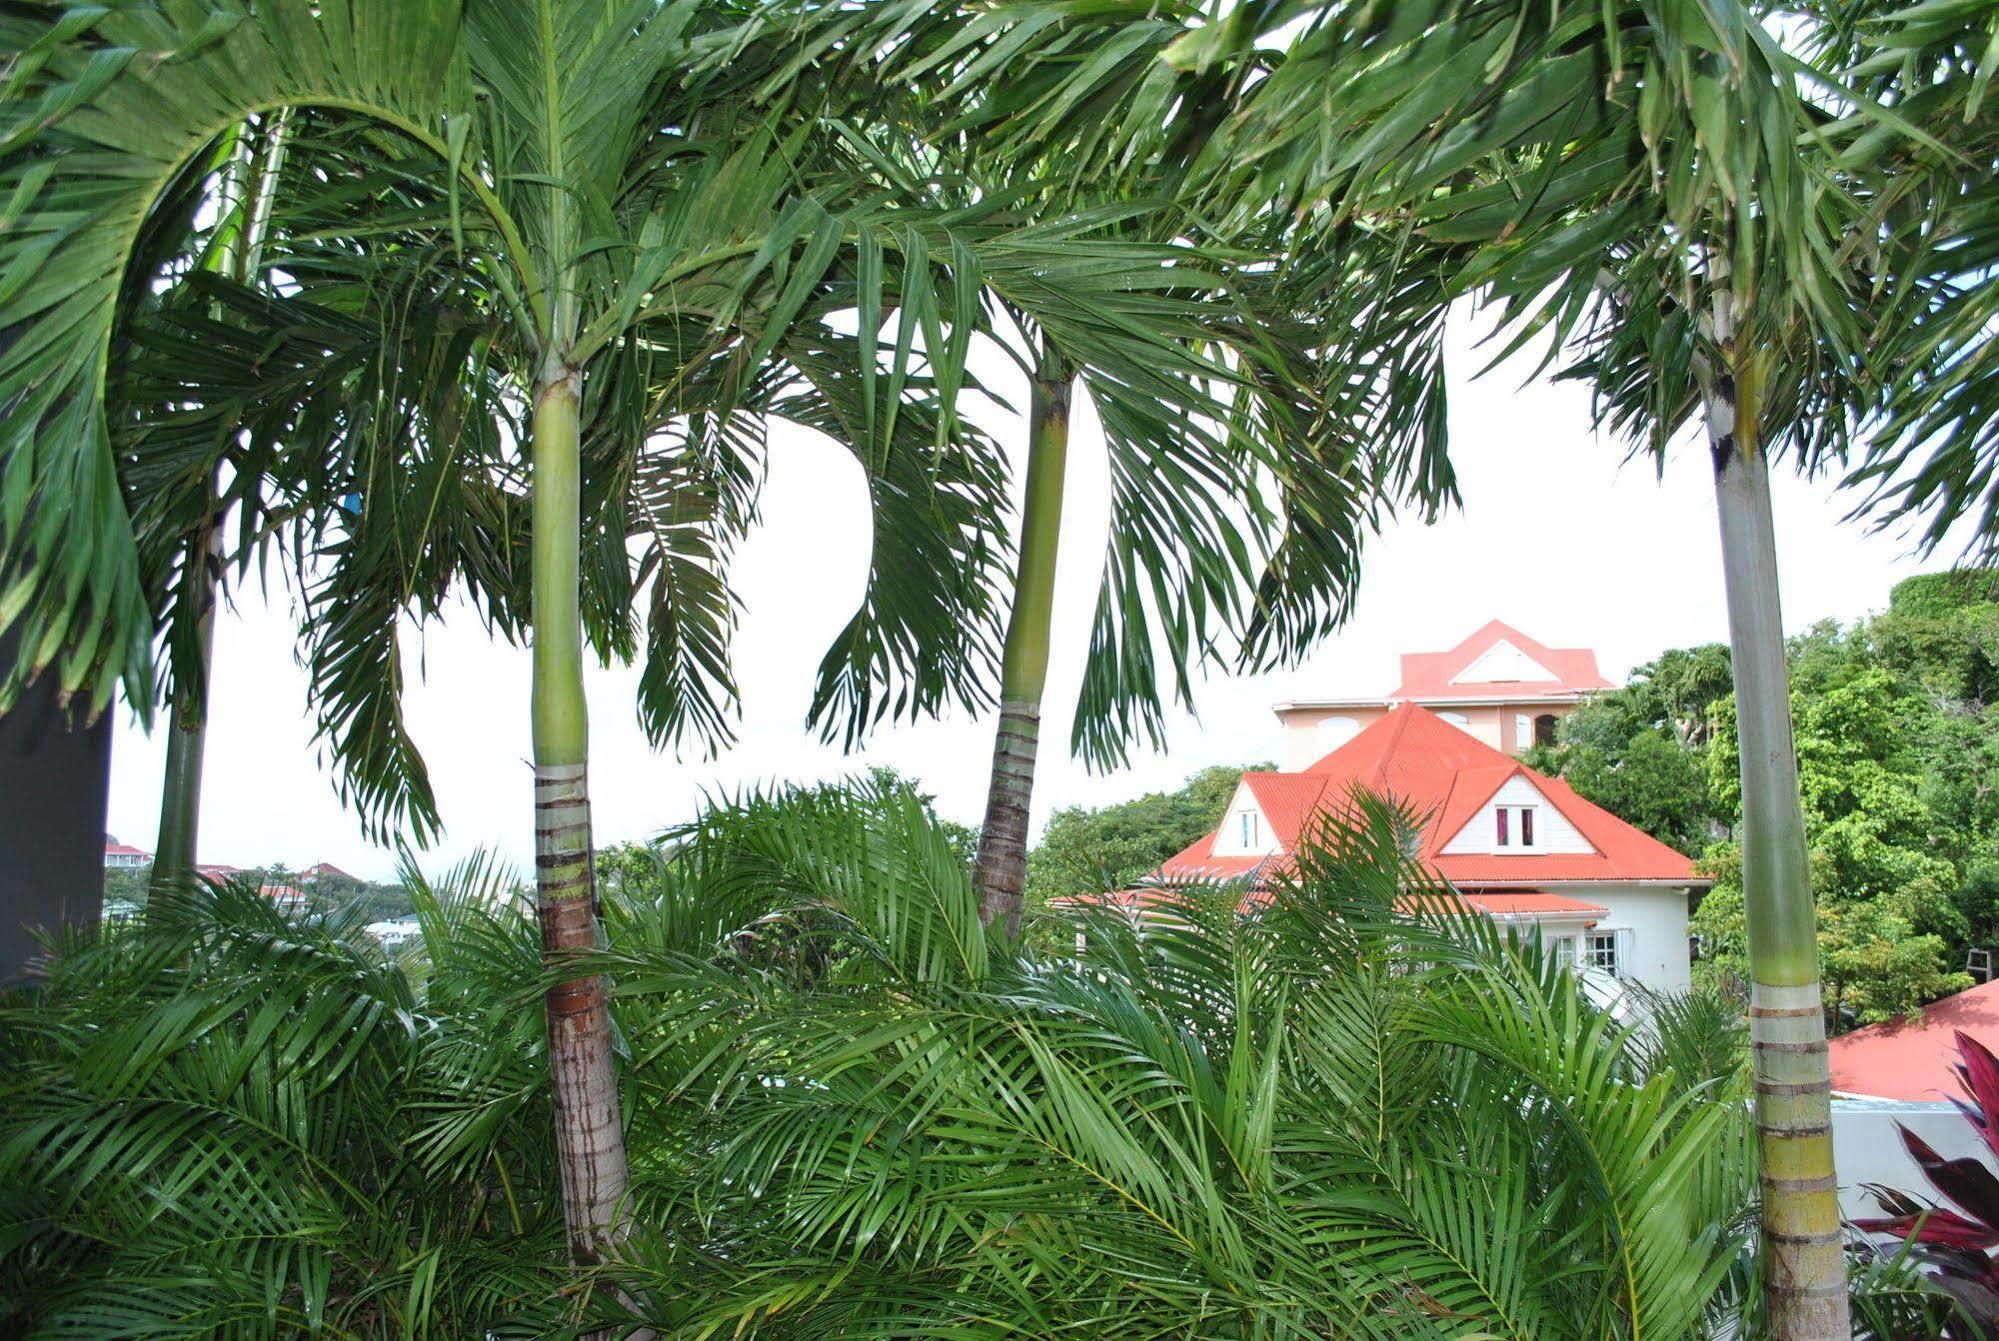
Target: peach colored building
{"x":1503,"y":687}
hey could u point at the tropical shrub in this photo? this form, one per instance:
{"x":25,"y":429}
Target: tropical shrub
{"x":853,"y":1114}
{"x":1954,"y":1241}
{"x":222,"y":1122}
{"x":1332,"y":1119}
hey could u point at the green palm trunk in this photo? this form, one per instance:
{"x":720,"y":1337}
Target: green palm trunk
{"x":590,"y":1140}
{"x":187,"y":727}
{"x":249,"y":185}
{"x":1002,"y":862}
{"x":1804,"y":1261}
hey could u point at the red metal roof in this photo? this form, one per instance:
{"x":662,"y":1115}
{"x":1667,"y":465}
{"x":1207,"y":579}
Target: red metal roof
{"x":1432,"y":676}
{"x":1915,"y":1057}
{"x":114,"y":848}
{"x":1443,"y":775}
{"x":1530,"y":903}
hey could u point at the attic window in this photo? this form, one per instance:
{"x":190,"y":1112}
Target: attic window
{"x":1510,"y":820}
{"x":1247,"y":819}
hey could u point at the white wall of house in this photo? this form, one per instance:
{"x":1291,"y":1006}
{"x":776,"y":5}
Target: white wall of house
{"x":1552,"y":831}
{"x":1866,"y":1148}
{"x":1245,"y":832}
{"x":1650,"y":924}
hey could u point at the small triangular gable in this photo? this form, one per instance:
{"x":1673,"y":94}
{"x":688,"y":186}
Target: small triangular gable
{"x":1503,"y":663}
{"x":1554,"y":832}
{"x":1245,"y":830}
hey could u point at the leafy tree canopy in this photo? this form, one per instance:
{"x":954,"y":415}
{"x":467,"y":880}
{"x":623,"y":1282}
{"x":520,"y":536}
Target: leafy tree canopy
{"x":1106,"y":847}
{"x":1898,"y":757}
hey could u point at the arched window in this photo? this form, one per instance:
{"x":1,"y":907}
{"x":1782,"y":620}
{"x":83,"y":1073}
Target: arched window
{"x":1544,"y":729}
{"x":1457,"y":719}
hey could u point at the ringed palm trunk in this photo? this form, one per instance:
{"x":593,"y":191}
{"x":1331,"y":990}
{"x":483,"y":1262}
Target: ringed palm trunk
{"x":1804,"y":1263}
{"x":589,"y":1132}
{"x":1002,"y":862}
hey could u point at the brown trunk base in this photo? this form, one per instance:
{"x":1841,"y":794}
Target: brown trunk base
{"x":1002,"y":868}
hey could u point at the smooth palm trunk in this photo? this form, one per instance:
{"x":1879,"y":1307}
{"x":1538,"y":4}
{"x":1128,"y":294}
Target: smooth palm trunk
{"x":589,"y":1132}
{"x":1002,"y":869}
{"x":1804,"y":1263}
{"x":249,"y":184}
{"x":187,"y":728}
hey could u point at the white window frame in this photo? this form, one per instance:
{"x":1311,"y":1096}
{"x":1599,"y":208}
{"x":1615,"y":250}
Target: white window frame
{"x":1603,"y":951}
{"x":1511,"y":829}
{"x":1247,"y":829}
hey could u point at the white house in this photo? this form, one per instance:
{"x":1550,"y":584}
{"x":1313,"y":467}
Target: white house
{"x":122,"y":856}
{"x":1516,"y":845}
{"x":395,"y":932}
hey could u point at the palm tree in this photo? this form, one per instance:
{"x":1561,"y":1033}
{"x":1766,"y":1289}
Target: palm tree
{"x":1243,"y":392}
{"x":451,"y":182}
{"x":243,"y":205}
{"x":1652,"y":186}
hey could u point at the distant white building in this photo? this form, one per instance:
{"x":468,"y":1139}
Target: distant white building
{"x":288,"y":898}
{"x":396,"y":932}
{"x":122,"y":857}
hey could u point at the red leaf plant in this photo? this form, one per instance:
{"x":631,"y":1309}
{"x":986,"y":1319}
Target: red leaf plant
{"x":1956,"y":1240}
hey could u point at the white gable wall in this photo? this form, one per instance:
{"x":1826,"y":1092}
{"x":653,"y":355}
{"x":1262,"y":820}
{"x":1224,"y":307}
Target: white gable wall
{"x":1503,"y":662}
{"x":1552,"y":830}
{"x":1229,"y":841}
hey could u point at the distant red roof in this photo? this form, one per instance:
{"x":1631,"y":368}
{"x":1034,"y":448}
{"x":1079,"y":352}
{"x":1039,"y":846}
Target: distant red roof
{"x":1443,"y":775}
{"x":1914,"y":1058}
{"x":1439,"y":677}
{"x":114,"y":848}
{"x":324,"y":868}
{"x":1526,"y":903}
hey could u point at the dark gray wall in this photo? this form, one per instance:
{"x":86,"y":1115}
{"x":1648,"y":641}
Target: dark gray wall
{"x":54,"y":782}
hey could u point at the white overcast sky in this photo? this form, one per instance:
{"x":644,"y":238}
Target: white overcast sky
{"x":1557,"y":535}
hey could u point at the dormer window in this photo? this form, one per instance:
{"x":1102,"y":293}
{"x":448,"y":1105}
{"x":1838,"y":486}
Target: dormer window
{"x":1515,"y":825}
{"x":1249,"y":835}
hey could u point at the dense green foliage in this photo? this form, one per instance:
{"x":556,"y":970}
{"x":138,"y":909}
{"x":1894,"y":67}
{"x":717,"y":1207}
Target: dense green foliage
{"x":853,"y":1114}
{"x":1087,"y":849}
{"x":224,"y":1122}
{"x":1898,"y":754}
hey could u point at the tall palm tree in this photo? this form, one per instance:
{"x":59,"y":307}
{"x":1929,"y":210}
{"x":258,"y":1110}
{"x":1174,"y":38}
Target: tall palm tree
{"x":243,"y":204}
{"x":473,"y":161}
{"x":1648,"y":182}
{"x":1242,"y":395}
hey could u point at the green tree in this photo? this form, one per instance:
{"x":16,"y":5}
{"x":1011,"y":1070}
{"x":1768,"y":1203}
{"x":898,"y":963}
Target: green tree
{"x":1641,"y":751}
{"x":1893,"y":917}
{"x":1087,"y":849}
{"x":545,"y":287}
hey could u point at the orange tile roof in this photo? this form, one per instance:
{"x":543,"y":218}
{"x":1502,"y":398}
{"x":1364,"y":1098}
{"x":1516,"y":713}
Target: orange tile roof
{"x":1443,"y":775}
{"x":1915,"y":1058}
{"x":1428,"y":676}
